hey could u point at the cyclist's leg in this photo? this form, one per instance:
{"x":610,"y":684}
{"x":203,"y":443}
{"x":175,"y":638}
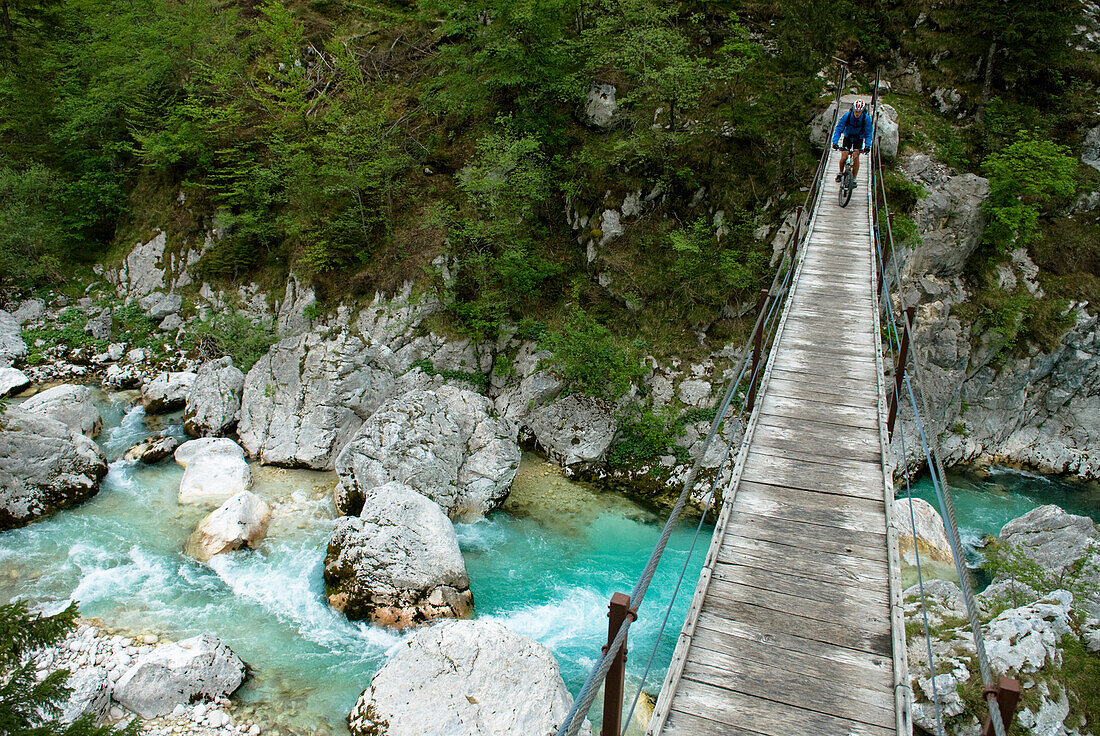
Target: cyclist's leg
{"x":855,"y":163}
{"x":843,"y":160}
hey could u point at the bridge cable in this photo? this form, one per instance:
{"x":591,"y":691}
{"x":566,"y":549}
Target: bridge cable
{"x":939,"y":482}
{"x":583,"y":702}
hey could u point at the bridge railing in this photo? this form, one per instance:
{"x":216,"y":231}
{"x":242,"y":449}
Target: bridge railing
{"x":1002,"y":694}
{"x":738,"y":400}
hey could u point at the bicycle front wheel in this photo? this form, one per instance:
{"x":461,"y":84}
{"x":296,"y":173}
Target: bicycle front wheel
{"x":844,"y":194}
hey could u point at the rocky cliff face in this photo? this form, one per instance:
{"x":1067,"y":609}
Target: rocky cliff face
{"x":1041,"y":409}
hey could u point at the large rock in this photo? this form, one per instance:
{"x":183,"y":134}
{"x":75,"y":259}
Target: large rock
{"x":11,"y":338}
{"x":1023,"y":640}
{"x":446,"y":443}
{"x":158,"y":306}
{"x":69,"y":404}
{"x":294,"y":312}
{"x":1060,"y":544}
{"x":214,"y":402}
{"x":44,"y":466}
{"x":91,"y":694}
{"x":399,"y":563}
{"x":928,"y":532}
{"x":308,"y":396}
{"x":1090,"y":151}
{"x":195,"y":669}
{"x":151,"y":266}
{"x":464,"y":678}
{"x":574,"y":430}
{"x":239,"y":522}
{"x":167,"y":392}
{"x":12,"y":381}
{"x":600,"y":106}
{"x":152,"y":449}
{"x":215,"y":470}
{"x":950,"y":218}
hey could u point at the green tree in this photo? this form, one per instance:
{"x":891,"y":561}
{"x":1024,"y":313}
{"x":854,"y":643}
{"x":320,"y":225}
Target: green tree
{"x":28,"y":706}
{"x":591,"y":359}
{"x":1024,"y":178}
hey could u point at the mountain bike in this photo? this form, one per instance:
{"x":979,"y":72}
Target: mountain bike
{"x":847,"y":182}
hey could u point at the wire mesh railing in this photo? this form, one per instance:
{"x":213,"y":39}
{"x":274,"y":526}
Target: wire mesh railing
{"x":764,"y":331}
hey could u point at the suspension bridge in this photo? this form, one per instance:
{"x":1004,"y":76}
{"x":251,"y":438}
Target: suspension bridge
{"x":796,"y":622}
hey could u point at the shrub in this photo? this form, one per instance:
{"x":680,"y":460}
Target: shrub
{"x":591,"y":359}
{"x":230,"y":333}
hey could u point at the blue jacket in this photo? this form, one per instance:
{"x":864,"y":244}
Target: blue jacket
{"x":848,"y":125}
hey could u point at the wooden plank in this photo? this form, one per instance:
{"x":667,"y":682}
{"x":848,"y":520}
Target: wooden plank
{"x":792,"y":451}
{"x":807,"y":425}
{"x":819,"y":411}
{"x":761,"y":615}
{"x":842,"y":512}
{"x":868,"y":545}
{"x":810,"y":476}
{"x":811,"y":564}
{"x":839,"y":601}
{"x":807,"y":655}
{"x":809,"y":392}
{"x":767,"y":717}
{"x":789,"y":444}
{"x":850,"y":386}
{"x":844,"y":698}
{"x":826,"y":367}
{"x":690,"y":724}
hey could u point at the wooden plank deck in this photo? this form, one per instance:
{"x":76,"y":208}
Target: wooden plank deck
{"x":792,"y":629}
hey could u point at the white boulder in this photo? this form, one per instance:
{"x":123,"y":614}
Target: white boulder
{"x":465,"y":678}
{"x":12,"y":381}
{"x":446,"y":443}
{"x":167,"y":392}
{"x":69,"y":404}
{"x":600,"y":105}
{"x":574,"y":429}
{"x":199,"y":668}
{"x":91,"y":694}
{"x":11,"y":338}
{"x":929,"y":533}
{"x":239,"y":522}
{"x":214,"y":401}
{"x":398,"y":564}
{"x":216,"y":469}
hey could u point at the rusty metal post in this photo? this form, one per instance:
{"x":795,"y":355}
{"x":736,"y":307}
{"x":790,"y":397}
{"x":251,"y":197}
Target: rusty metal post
{"x":617,"y":612}
{"x":757,"y":348}
{"x":797,"y":232}
{"x":899,"y":371}
{"x":1007,"y":693}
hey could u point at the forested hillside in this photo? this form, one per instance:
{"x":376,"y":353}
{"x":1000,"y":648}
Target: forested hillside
{"x":355,"y":143}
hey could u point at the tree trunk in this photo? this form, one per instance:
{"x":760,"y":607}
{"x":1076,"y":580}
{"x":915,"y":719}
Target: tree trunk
{"x":987,"y":83}
{"x":9,"y":32}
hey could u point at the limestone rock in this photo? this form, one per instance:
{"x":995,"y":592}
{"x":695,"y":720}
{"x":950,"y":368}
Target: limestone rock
{"x":239,"y":522}
{"x":886,"y":131}
{"x":11,"y":338}
{"x":140,"y":273}
{"x":929,"y":532}
{"x":600,"y":106}
{"x":99,"y":326}
{"x":399,"y":563}
{"x":291,"y":318}
{"x":152,"y":449}
{"x":950,"y":218}
{"x":308,"y":396}
{"x":444,"y":443}
{"x":695,"y":392}
{"x":574,"y":429}
{"x":12,"y":381}
{"x":195,"y":669}
{"x":1024,"y":639}
{"x":214,"y":402}
{"x":90,"y":696}
{"x":464,"y":678}
{"x":69,"y":404}
{"x":167,"y":392}
{"x":1090,"y":153}
{"x":215,"y":470}
{"x":30,"y":311}
{"x":44,"y":466}
{"x":157,"y":306}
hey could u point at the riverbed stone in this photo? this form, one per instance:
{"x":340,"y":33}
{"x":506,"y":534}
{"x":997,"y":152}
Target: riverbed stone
{"x":44,"y":466}
{"x":215,"y":470}
{"x":152,"y":449}
{"x":309,"y":395}
{"x":12,"y":381}
{"x":69,"y":404}
{"x":447,"y":443}
{"x":12,"y":346}
{"x":398,"y":564}
{"x":214,"y":402}
{"x":167,"y":392}
{"x":574,"y":430}
{"x":91,"y":694}
{"x":201,"y":668}
{"x":465,"y":678}
{"x":238,"y":523}
{"x":929,"y":532}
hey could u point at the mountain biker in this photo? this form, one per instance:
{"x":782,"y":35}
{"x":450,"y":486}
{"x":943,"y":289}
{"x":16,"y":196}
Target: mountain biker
{"x":858,"y":131}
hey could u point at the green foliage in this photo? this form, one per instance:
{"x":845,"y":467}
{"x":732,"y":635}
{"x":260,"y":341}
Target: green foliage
{"x":591,"y":359}
{"x":481,"y":380}
{"x":32,"y":237}
{"x":646,"y":435}
{"x":1024,"y":178}
{"x":1010,"y":562}
{"x":27,"y":705}
{"x":68,"y":333}
{"x":230,"y":333}
{"x":1081,"y":675}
